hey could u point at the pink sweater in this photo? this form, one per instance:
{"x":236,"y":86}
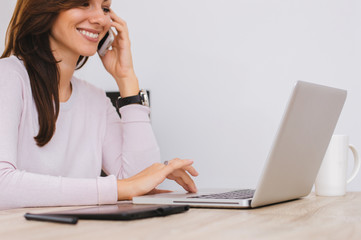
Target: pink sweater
{"x":89,"y":137}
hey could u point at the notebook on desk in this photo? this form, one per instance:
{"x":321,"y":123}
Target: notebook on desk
{"x":294,"y":159}
{"x":120,"y":211}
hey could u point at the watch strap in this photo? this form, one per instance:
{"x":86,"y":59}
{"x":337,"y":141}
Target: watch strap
{"x":121,"y":102}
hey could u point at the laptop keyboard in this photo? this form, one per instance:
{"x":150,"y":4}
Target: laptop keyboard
{"x":238,"y":194}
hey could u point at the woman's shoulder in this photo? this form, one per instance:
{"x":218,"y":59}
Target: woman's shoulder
{"x":11,"y":64}
{"x":13,"y":80}
{"x":12,"y":70}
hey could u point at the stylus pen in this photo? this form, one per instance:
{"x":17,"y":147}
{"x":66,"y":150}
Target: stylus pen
{"x":51,"y":218}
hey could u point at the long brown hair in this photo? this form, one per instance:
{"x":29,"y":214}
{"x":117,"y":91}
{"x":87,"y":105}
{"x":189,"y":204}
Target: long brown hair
{"x":27,"y":37}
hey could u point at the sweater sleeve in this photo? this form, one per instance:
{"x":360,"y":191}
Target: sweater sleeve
{"x":129,"y":144}
{"x":23,"y":189}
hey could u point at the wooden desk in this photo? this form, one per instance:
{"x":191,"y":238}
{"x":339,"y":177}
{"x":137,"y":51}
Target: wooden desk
{"x":309,"y":218}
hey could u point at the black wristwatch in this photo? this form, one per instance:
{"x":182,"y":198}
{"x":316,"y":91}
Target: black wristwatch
{"x":141,"y":98}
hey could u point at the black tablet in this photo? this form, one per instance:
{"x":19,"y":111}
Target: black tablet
{"x":120,"y":211}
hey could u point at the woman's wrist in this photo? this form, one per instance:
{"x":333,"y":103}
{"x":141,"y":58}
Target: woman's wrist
{"x":124,"y":190}
{"x":128,"y":85}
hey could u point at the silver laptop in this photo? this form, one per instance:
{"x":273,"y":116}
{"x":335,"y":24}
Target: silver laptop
{"x":293,"y":162}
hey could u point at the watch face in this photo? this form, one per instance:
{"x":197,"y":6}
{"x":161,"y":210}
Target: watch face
{"x":144,"y":96}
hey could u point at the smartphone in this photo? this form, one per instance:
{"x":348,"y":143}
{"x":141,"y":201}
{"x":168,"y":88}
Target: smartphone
{"x":105,"y":43}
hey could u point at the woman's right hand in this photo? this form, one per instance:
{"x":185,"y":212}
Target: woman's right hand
{"x":147,"y":180}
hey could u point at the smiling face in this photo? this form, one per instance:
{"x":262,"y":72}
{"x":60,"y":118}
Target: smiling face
{"x":78,"y":31}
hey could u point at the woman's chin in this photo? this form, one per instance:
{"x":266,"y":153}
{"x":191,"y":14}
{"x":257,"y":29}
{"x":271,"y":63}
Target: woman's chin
{"x":88,"y":53}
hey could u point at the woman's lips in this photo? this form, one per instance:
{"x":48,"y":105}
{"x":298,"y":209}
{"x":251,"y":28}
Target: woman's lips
{"x":91,"y":36}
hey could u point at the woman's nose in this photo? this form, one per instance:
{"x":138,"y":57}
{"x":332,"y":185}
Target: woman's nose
{"x":98,"y":16}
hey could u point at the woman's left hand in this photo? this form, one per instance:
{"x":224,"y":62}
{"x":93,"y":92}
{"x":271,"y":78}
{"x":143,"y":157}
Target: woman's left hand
{"x":118,"y":61}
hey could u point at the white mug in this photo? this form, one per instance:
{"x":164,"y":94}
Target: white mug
{"x":331,"y":179}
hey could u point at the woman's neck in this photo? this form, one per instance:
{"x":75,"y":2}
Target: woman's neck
{"x":66,"y":66}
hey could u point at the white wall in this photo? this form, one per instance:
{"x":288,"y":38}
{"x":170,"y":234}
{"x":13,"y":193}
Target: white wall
{"x":220,"y":73}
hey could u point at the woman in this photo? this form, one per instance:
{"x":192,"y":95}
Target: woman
{"x":56,"y":131}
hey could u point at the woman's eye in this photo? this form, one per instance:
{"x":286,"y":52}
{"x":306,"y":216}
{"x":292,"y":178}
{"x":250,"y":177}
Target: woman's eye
{"x":106,"y":9}
{"x":85,"y":4}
